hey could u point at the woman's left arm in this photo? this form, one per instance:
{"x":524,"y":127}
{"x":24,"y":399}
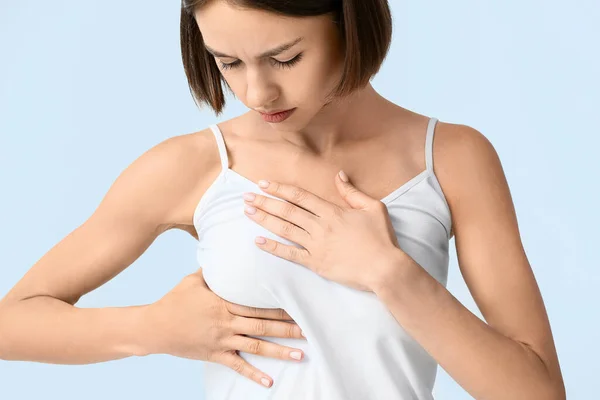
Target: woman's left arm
{"x":513,"y":356}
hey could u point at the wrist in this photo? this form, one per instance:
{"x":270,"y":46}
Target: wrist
{"x":392,"y":270}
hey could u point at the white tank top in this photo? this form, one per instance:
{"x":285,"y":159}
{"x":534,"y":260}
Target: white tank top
{"x":354,"y":348}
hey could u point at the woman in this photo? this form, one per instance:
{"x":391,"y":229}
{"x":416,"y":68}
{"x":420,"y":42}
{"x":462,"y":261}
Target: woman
{"x":359,"y":266}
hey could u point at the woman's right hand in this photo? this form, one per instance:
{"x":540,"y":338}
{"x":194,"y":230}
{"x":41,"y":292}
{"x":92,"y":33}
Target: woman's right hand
{"x":191,"y":321}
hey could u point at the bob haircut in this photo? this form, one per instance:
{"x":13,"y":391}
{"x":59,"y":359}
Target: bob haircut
{"x":365,"y":27}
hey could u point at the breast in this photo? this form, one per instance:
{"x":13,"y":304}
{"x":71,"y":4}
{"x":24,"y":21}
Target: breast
{"x":238,"y":271}
{"x":229,"y":260}
{"x":233,"y":265}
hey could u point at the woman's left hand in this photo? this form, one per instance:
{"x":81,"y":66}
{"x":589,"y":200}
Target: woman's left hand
{"x":354,"y":246}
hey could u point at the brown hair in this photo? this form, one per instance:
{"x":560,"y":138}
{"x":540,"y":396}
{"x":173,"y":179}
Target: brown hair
{"x":365,"y":25}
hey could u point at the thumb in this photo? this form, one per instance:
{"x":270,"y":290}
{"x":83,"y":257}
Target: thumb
{"x":354,"y":197}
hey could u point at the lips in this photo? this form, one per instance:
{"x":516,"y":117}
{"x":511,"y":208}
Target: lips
{"x":274,"y":112}
{"x":277,"y":116}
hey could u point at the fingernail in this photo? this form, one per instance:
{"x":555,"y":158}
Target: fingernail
{"x":249,"y":196}
{"x":263,"y":183}
{"x":265,"y":381}
{"x":250,"y":210}
{"x":302,"y":333}
{"x":343,"y":176}
{"x":296,"y":355}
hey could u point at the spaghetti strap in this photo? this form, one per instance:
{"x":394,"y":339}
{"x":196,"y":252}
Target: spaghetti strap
{"x":221,"y":145}
{"x":429,"y":144}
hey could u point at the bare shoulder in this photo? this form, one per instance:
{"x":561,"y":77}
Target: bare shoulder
{"x":188,"y":164}
{"x":165,"y":182}
{"x":459,"y":137}
{"x":461,"y":148}
{"x":464,"y":161}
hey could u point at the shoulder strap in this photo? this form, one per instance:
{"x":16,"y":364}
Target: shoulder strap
{"x":221,"y":145}
{"x":429,"y":144}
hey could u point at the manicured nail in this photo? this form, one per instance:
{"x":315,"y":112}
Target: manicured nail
{"x":260,"y":240}
{"x":265,"y":381}
{"x":263,"y":183}
{"x":250,"y":210}
{"x":343,"y":176}
{"x":296,"y":355}
{"x":249,"y":196}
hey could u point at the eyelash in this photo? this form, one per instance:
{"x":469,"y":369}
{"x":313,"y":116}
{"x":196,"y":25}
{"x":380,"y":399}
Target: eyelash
{"x":279,"y":64}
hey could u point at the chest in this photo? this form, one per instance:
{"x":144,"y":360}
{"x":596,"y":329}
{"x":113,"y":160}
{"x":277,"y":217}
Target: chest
{"x":240,"y":272}
{"x":372,"y":167}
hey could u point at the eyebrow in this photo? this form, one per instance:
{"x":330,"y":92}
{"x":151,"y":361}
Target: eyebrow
{"x":270,"y":53}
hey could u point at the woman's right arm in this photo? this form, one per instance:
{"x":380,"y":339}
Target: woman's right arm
{"x":158,"y":191}
{"x":38,"y":319}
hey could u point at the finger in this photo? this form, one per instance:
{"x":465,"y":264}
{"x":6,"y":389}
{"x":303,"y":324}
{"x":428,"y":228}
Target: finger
{"x":350,"y":193}
{"x":264,"y":348}
{"x":291,"y":253}
{"x":301,"y":197}
{"x":283,"y":209}
{"x":266,"y":327}
{"x":242,"y":367}
{"x":255,"y":312}
{"x":278,"y":226}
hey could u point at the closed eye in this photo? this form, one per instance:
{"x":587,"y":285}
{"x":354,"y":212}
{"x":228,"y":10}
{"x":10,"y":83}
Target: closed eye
{"x":277,"y":63}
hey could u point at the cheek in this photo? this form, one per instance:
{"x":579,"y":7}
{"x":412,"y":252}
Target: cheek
{"x":315,"y":81}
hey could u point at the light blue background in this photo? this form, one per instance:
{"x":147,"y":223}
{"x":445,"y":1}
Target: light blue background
{"x":88,"y":86}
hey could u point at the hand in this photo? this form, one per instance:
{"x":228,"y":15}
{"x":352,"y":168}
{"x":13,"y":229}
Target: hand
{"x":193,"y":322}
{"x":355,"y":246}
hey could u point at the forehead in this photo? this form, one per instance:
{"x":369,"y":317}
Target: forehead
{"x":228,"y":28}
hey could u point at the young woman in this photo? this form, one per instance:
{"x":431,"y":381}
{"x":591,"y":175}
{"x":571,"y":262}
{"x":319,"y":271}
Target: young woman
{"x":358,"y":265}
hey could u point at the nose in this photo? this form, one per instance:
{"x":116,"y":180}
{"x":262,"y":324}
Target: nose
{"x":261,"y":92}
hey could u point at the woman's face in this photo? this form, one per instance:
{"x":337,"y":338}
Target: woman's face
{"x":298,"y":77}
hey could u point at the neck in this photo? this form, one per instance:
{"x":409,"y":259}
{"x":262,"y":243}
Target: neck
{"x":343,"y":121}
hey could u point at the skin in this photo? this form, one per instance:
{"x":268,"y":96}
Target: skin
{"x":380,"y":146}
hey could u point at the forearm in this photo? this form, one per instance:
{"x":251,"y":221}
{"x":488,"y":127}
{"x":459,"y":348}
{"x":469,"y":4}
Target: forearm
{"x":487,"y":364}
{"x":45,"y":329}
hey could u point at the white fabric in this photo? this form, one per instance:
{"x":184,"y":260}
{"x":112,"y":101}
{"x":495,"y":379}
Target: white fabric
{"x":355,"y":349}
